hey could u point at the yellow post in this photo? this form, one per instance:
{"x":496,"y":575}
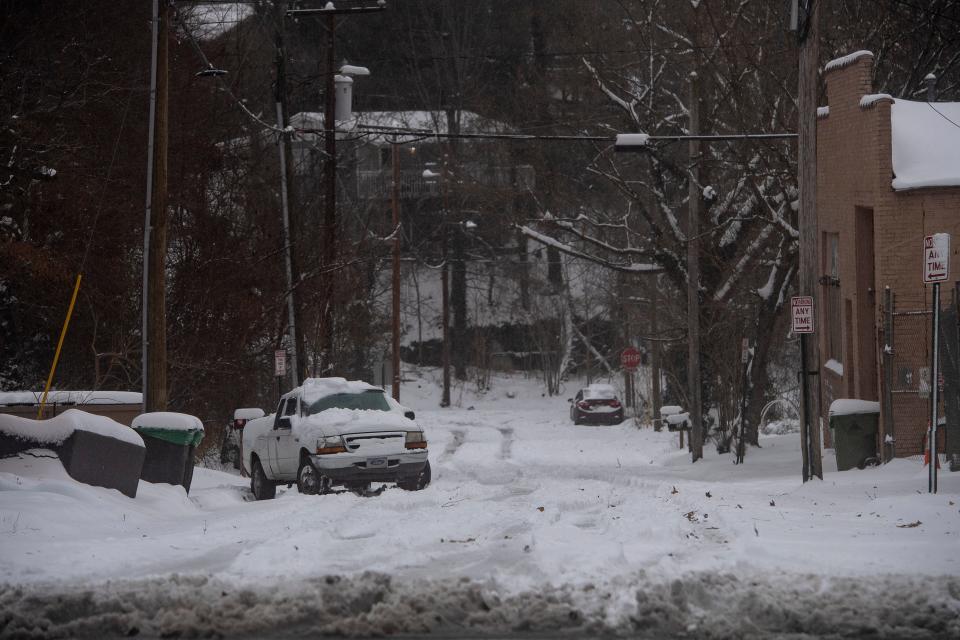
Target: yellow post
{"x":56,"y":356}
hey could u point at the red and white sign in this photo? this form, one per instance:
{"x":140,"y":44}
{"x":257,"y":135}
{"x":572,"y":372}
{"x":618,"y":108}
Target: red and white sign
{"x":936,"y":257}
{"x":630,"y":359}
{"x":280,"y":363}
{"x":801,"y":310}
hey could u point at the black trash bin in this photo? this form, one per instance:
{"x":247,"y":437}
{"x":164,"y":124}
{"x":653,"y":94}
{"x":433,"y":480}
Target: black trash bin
{"x":853,"y":426}
{"x":170,"y":440}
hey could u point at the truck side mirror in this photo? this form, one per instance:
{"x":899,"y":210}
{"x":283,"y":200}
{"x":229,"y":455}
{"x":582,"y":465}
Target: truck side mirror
{"x":410,"y":415}
{"x":283,"y":422}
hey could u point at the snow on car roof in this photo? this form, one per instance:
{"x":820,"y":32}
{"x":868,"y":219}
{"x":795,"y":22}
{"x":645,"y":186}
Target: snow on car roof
{"x":55,"y":430}
{"x":248,"y":413}
{"x":167,"y":421}
{"x":315,"y":388}
{"x":599,"y":391}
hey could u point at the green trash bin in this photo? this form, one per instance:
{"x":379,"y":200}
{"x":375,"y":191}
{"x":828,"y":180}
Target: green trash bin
{"x":853,"y":428}
{"x":170,"y":440}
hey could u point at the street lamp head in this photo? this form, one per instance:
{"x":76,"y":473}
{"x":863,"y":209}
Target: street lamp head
{"x":352,"y":70}
{"x":628,"y":142}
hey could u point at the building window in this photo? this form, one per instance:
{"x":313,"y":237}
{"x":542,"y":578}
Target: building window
{"x":832,"y":321}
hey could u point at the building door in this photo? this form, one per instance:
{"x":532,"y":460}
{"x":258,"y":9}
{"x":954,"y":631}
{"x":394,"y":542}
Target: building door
{"x":866,"y":313}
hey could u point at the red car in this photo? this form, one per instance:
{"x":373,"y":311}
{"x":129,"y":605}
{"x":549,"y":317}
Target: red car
{"x":596,"y":404}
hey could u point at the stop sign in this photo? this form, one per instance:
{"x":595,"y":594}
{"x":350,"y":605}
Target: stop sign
{"x":630,"y":358}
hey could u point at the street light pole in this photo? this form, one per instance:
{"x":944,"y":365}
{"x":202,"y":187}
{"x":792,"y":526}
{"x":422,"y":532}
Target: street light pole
{"x":395,"y":361}
{"x":155,"y":232}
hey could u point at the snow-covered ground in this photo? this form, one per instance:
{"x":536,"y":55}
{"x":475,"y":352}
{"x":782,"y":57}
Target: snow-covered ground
{"x":531,"y":524}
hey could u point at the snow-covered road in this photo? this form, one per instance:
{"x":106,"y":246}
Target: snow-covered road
{"x":530,"y":523}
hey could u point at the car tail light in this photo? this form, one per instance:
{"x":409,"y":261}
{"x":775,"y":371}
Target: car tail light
{"x":615,"y":403}
{"x":583,"y":404}
{"x":239,"y":423}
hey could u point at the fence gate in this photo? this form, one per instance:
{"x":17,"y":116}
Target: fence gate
{"x":907,"y":378}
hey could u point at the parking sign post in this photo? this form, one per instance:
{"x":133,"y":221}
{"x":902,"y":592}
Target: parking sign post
{"x":801,"y":313}
{"x":936,"y":269}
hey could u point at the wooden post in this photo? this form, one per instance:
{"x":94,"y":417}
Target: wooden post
{"x":395,"y":202}
{"x":655,"y":352}
{"x":807,"y":223}
{"x":693,"y":278}
{"x":156,"y":263}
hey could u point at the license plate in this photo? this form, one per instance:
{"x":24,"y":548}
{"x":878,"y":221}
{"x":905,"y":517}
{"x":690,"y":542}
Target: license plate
{"x":376,"y":462}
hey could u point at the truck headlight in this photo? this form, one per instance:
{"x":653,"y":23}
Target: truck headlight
{"x":415,"y":440}
{"x":333,"y":444}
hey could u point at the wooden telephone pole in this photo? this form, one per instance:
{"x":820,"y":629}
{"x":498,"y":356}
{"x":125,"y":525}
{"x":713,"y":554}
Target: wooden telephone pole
{"x":808,"y":34}
{"x":154,"y":301}
{"x":693,"y":278}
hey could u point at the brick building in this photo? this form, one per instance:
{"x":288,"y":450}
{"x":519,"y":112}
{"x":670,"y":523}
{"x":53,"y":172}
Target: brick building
{"x":888,"y":174}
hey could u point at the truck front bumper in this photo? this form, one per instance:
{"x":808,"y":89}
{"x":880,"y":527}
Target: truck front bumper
{"x":349,"y":469}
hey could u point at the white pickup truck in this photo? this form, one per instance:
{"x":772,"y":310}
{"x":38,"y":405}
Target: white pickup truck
{"x":334,"y":432}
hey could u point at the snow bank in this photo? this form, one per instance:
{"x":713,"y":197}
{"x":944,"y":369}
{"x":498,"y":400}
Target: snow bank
{"x":56,"y":430}
{"x":849,"y":406}
{"x":700,"y":604}
{"x":71,"y":397}
{"x":167,"y":421}
{"x":925,"y":138}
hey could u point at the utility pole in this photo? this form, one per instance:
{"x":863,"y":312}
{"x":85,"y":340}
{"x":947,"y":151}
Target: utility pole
{"x":329,"y":243}
{"x":655,"y":350}
{"x":395,"y":206}
{"x":693,"y":276}
{"x":280,"y":101}
{"x":155,"y":316}
{"x":445,"y":293}
{"x":808,"y":34}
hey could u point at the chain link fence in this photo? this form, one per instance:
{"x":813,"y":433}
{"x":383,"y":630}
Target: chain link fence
{"x":908,"y":382}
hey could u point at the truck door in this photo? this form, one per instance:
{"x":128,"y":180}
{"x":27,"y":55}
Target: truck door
{"x":282,"y":444}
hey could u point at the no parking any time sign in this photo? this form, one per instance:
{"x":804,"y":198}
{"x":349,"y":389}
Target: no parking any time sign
{"x":801,"y":311}
{"x":936,"y":258}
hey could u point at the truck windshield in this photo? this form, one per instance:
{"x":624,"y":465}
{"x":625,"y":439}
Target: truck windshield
{"x":373,"y":400}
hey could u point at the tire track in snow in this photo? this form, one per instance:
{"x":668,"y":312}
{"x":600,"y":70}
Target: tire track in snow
{"x":459,"y":436}
{"x":506,"y":445}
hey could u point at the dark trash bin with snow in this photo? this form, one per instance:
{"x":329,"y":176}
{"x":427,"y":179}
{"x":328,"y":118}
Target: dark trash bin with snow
{"x":94,"y":449}
{"x":853,"y":427}
{"x":170,"y":439}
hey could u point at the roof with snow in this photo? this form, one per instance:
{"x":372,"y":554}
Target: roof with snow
{"x":925,"y":138}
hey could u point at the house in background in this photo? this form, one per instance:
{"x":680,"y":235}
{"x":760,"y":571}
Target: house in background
{"x":888,"y":174}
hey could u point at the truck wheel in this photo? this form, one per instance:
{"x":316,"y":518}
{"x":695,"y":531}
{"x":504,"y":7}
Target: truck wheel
{"x":262,"y":487}
{"x":309,"y":480}
{"x":420,"y":482}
